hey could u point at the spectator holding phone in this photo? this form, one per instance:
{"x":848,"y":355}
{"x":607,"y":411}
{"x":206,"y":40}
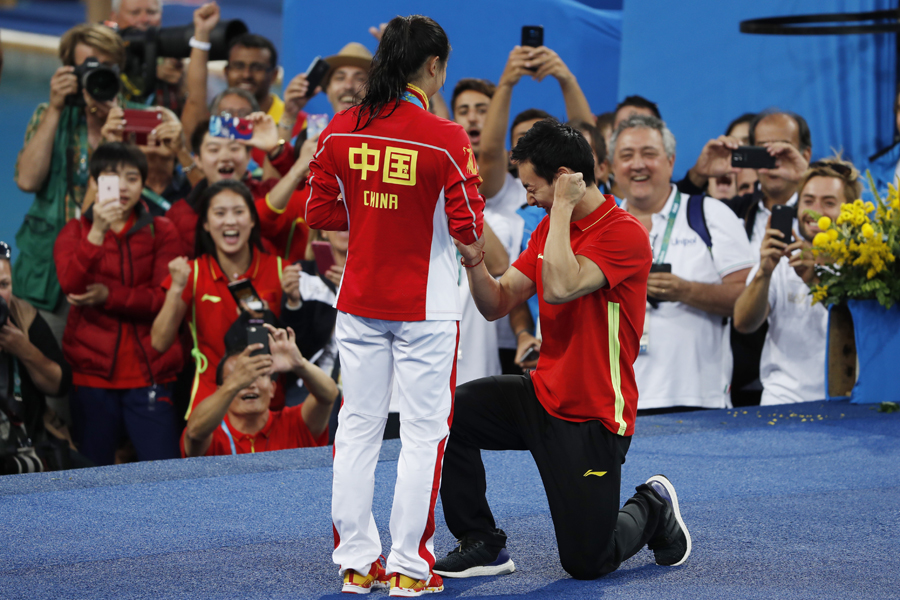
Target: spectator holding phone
{"x":228,"y":250}
{"x":111,"y":263}
{"x":740,"y":181}
{"x":786,"y":137}
{"x":236,"y":418}
{"x":53,"y":164}
{"x":164,"y":146}
{"x":685,"y":360}
{"x":793,"y":355}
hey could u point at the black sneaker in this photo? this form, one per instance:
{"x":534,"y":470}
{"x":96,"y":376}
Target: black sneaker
{"x":672,"y":544}
{"x":473,"y":558}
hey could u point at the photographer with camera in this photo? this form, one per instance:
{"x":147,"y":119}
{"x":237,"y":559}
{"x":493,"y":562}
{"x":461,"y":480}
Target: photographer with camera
{"x":53,"y":163}
{"x":141,"y":15}
{"x":236,"y":418}
{"x":31,"y":366}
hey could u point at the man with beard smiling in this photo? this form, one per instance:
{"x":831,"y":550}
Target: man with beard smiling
{"x":685,"y":359}
{"x":793,"y":355}
{"x":236,"y":418}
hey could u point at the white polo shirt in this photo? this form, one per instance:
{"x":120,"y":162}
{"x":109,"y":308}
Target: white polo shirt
{"x":792,"y":367}
{"x":478,"y":355}
{"x":505,"y":203}
{"x":688,"y":360}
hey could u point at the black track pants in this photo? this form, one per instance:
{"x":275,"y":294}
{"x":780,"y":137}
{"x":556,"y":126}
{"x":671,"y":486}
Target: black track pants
{"x":502,"y":413}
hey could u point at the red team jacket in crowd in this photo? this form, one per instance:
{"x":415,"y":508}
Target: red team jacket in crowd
{"x":409,"y":182}
{"x":132,"y":265}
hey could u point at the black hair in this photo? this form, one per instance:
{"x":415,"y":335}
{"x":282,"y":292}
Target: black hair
{"x":197,"y":136}
{"x":203,"y":242}
{"x":200,"y":133}
{"x":802,"y":126}
{"x":607,"y":119}
{"x":744,"y":118}
{"x":597,"y":141}
{"x":529,"y":114}
{"x":549,"y":145}
{"x":229,"y":353}
{"x":110,"y":156}
{"x":639,"y":102}
{"x":482,"y":86}
{"x":252,"y":40}
{"x":406,"y":44}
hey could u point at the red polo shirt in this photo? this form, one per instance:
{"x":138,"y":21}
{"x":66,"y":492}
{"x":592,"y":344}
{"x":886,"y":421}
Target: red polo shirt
{"x":589,"y":345}
{"x":284,"y":430}
{"x":216,"y":309}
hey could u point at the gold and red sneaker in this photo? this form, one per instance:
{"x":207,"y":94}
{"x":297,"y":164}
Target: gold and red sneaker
{"x":407,"y":587}
{"x":356,"y":583}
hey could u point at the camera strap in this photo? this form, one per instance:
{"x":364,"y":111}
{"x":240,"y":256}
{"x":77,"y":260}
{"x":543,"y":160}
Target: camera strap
{"x":670,"y":224}
{"x":76,"y":171}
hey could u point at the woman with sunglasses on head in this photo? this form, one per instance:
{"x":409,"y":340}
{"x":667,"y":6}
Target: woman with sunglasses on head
{"x":404,"y":183}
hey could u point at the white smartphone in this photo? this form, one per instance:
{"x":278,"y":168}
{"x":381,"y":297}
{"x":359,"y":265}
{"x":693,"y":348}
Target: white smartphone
{"x":107,"y":189}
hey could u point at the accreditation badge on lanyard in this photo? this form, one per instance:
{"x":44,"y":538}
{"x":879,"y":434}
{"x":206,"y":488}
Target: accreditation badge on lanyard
{"x":659,"y":258}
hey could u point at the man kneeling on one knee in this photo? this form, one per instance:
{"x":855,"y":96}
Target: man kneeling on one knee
{"x":236,"y":418}
{"x":588,"y":261}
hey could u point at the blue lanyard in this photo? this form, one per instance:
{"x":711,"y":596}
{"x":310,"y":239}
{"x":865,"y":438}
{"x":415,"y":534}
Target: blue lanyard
{"x":664,"y":248}
{"x":410,"y":97}
{"x":230,"y":439}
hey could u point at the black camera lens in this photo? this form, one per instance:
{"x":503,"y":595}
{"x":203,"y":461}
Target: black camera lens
{"x":102,"y":83}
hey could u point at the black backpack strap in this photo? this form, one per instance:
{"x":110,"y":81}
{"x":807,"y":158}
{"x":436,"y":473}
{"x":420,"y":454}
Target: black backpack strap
{"x":697,"y":219}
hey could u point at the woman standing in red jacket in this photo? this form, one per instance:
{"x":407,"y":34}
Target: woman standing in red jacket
{"x":110,"y":264}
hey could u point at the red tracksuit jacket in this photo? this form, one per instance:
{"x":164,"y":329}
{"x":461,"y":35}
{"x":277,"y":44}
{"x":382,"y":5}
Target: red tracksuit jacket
{"x":408,"y":184}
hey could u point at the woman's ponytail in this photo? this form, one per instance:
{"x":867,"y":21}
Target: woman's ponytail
{"x":406,"y":44}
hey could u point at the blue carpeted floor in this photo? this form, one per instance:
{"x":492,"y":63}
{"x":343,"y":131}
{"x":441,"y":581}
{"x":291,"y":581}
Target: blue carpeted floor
{"x":782,"y":502}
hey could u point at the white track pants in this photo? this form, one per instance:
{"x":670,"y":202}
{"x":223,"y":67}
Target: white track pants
{"x":422,"y":357}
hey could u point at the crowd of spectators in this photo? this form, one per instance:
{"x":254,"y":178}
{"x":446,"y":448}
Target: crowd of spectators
{"x":187,"y":310}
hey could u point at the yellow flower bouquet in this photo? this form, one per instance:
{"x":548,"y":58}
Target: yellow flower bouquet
{"x":859,"y":252}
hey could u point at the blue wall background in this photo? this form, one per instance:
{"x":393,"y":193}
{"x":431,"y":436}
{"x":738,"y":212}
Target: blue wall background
{"x":691,"y":58}
{"x":482,"y":35}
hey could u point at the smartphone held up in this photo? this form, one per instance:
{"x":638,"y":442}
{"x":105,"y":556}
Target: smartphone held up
{"x":107,"y":189}
{"x":138,"y":125}
{"x":783,"y":221}
{"x":752,"y":157}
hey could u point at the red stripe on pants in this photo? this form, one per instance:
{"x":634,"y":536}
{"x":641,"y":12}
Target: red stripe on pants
{"x":438,"y":464}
